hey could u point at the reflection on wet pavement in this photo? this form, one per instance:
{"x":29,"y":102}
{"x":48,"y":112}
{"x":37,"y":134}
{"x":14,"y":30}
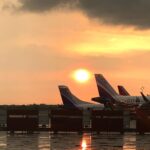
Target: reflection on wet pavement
{"x":73,"y":141}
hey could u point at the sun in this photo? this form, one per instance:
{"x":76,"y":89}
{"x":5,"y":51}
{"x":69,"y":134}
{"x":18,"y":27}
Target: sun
{"x":81,"y":75}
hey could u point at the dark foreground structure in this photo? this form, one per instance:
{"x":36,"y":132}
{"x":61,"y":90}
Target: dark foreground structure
{"x":107,"y":121}
{"x":22,"y":120}
{"x":99,"y":121}
{"x":85,"y":121}
{"x":72,"y":120}
{"x":66,"y":120}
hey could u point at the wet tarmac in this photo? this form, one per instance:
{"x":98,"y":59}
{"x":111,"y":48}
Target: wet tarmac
{"x":73,"y":141}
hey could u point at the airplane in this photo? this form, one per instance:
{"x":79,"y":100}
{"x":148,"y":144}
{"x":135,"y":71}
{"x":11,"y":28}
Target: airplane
{"x":145,"y":98}
{"x":107,"y":94}
{"x":123,"y":91}
{"x":71,"y":101}
{"x":146,"y":105}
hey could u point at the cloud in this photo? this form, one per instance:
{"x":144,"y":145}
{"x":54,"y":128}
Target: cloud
{"x":117,"y":12}
{"x":42,"y":5}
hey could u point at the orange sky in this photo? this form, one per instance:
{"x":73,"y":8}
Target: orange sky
{"x":39,"y":51}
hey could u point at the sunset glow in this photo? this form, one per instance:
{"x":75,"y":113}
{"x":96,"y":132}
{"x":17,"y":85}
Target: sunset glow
{"x":44,"y":43}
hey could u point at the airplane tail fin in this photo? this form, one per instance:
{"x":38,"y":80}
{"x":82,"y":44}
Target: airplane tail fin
{"x":68,"y":99}
{"x":105,"y":90}
{"x":122,"y":91}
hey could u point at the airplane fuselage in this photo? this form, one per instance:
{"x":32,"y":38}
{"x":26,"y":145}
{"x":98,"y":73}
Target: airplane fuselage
{"x":131,"y":99}
{"x":90,"y":106}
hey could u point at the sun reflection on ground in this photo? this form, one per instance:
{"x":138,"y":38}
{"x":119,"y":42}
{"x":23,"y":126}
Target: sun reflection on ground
{"x":84,"y":145}
{"x":86,"y":142}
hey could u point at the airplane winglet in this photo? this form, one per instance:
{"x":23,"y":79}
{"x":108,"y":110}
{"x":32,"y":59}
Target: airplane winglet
{"x":144,"y":97}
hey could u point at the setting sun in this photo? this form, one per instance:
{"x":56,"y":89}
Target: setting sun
{"x":81,"y":75}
